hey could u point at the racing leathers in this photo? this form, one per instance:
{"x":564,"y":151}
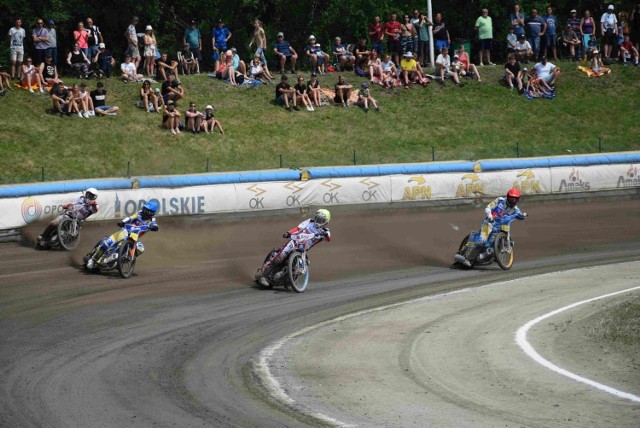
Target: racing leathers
{"x":134,"y":220}
{"x":495,"y":211}
{"x":81,"y":208}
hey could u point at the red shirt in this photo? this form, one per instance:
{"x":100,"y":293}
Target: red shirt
{"x":393,"y":28}
{"x":377,"y":28}
{"x":628,"y":46}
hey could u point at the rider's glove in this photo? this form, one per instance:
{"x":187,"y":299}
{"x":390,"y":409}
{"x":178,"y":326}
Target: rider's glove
{"x":65,"y":206}
{"x":92,"y":203}
{"x":120,"y":224}
{"x":490,"y":218}
{"x":286,"y":235}
{"x":154,"y":228}
{"x":522,"y":216}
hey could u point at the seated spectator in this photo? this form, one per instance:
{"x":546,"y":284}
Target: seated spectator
{"x":87,"y":101}
{"x":148,"y":98}
{"x":468,"y":68}
{"x":344,"y":58}
{"x":524,"y":52}
{"x":189,"y":64}
{"x":321,"y":57}
{"x":4,"y":80}
{"x":313,"y":90}
{"x":443,"y":68}
{"x":343,"y":92}
{"x":99,"y":97}
{"x":597,"y":66}
{"x":194,"y":118}
{"x":257,"y":71}
{"x":78,"y":61}
{"x":171,"y":90}
{"x":31,"y":76}
{"x":512,"y":39}
{"x":129,"y":72}
{"x":390,"y":73}
{"x":310,"y":52}
{"x":571,"y":40}
{"x":283,"y":51}
{"x":365,"y":98}
{"x":77,"y":101}
{"x":361,"y":50}
{"x":592,"y":45}
{"x":375,"y":68}
{"x":171,"y":118}
{"x":166,"y":66}
{"x":104,"y":59}
{"x":238,"y":65}
{"x":411,"y":71}
{"x":362,"y":67}
{"x":225,"y":69}
{"x":512,"y":72}
{"x":628,"y":52}
{"x":285,"y":94}
{"x":301,"y":94}
{"x":48,"y":71}
{"x":210,"y":123}
{"x":546,"y":71}
{"x":158,"y":94}
{"x":60,"y":100}
{"x":536,"y":87}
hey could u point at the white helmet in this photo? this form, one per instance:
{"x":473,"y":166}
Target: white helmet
{"x":91,"y":193}
{"x":322,"y":217}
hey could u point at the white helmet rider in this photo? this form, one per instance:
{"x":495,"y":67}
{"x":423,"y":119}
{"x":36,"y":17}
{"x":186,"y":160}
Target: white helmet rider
{"x":91,"y":193}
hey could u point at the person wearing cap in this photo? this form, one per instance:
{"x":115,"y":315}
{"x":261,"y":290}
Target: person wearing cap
{"x":310,"y":52}
{"x":188,"y":60}
{"x":132,"y":42}
{"x":99,"y":99}
{"x":344,"y":58}
{"x":571,"y":40}
{"x":550,"y":35}
{"x":193,"y":38}
{"x":443,"y":68}
{"x":52,"y":43}
{"x":286,"y":94}
{"x":40,"y":36}
{"x":95,"y":38}
{"x":150,"y":51}
{"x":260,"y":40}
{"x":104,"y":59}
{"x":365,"y":98}
{"x":219,"y":39}
{"x":129,"y":71}
{"x":574,"y":23}
{"x":536,"y":27}
{"x":166,"y":66}
{"x":523,"y":50}
{"x":171,"y":118}
{"x":48,"y":71}
{"x":609,"y":29}
{"x":411,"y":71}
{"x":283,"y":51}
{"x":210,"y":123}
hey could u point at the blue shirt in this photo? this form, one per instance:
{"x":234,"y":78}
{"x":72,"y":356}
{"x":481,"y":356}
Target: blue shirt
{"x":221,"y":34}
{"x":551,"y":24}
{"x":534,"y":26}
{"x":192,"y":36}
{"x":517,"y":29}
{"x":283,"y":47}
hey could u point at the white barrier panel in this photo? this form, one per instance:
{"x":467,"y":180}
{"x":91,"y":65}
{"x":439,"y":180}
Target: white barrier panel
{"x":595,"y":177}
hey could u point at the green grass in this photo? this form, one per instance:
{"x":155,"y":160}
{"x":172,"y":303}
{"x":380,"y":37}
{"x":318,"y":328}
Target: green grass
{"x":620,"y":324}
{"x":480,"y":121}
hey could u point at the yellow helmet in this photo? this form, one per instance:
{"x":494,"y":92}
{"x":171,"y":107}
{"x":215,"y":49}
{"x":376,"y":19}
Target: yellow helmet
{"x":322,"y":217}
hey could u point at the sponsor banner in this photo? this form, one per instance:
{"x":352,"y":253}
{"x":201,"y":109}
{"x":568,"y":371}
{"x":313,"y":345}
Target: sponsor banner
{"x":353,"y":190}
{"x":596,"y":177}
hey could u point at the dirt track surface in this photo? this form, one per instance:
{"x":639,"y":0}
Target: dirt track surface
{"x":175,"y":344}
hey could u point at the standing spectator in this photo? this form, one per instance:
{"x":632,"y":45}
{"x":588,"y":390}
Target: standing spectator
{"x":517,"y":21}
{"x":99,"y":98}
{"x":634,"y":23}
{"x":440,"y":33}
{"x":365,"y":98}
{"x":188,"y":60}
{"x":53,"y":42}
{"x":171,"y":118}
{"x":301,"y":94}
{"x":210,"y":123}
{"x":194,"y":118}
{"x":376,"y":33}
{"x":407,"y":32}
{"x":536,"y":28}
{"x":285,"y":94}
{"x":313,"y":90}
{"x":193,"y":38}
{"x":219,"y":38}
{"x":512,"y":72}
{"x":40,"y":41}
{"x":129,"y":72}
{"x":81,"y":37}
{"x":415,"y":20}
{"x":550,"y":33}
{"x":165,"y":66}
{"x":623,"y":26}
{"x":574,"y":23}
{"x":587,"y":29}
{"x":49,"y":72}
{"x":171,"y":90}
{"x":283,"y":51}
{"x":523,"y":50}
{"x":546,"y":71}
{"x":484,"y":27}
{"x":16,"y":48}
{"x":150,"y":51}
{"x":60,"y":100}
{"x":132,"y":42}
{"x":392,"y":31}
{"x":31,"y":76}
{"x":571,"y":40}
{"x":343,"y":92}
{"x":443,"y":68}
{"x":260,"y":40}
{"x":423,"y":39}
{"x":468,"y":68}
{"x":104,"y":59}
{"x":95,"y":38}
{"x":609,"y":28}
{"x":78,"y":61}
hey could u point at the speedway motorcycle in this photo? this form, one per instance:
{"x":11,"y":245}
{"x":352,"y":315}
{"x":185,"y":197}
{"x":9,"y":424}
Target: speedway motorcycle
{"x":67,"y":234}
{"x":121,"y":255}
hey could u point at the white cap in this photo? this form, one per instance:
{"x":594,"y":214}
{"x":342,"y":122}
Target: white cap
{"x":312,"y":37}
{"x":209,"y":107}
{"x":574,"y":11}
{"x":610,"y":7}
{"x":149,"y":28}
{"x":101,"y":46}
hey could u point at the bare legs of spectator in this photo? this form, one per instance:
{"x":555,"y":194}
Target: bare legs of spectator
{"x":150,"y":66}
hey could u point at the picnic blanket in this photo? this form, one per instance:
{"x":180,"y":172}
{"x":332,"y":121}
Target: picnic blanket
{"x":25,"y":87}
{"x":591,"y":73}
{"x":353,"y":98}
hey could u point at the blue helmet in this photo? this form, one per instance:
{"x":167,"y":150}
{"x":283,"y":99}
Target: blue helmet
{"x":149,"y":209}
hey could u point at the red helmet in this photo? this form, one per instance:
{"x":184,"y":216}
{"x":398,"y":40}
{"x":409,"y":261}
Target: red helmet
{"x":513,"y":196}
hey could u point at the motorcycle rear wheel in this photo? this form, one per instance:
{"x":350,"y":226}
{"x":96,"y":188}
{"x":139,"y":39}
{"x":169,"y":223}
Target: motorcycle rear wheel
{"x":462,"y":250}
{"x":503,"y":251}
{"x":298,"y":272}
{"x":270,"y":255}
{"x":67,"y":239}
{"x":126,"y":262}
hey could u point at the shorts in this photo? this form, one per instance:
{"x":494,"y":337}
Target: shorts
{"x":441,"y":44}
{"x":215,"y":56}
{"x":280,"y":99}
{"x":485,"y":44}
{"x":394,"y":46}
{"x":133,"y":51}
{"x":550,"y":40}
{"x":105,"y":108}
{"x":197,"y":54}
{"x":610,"y":38}
{"x":260,"y":52}
{"x":16,"y":54}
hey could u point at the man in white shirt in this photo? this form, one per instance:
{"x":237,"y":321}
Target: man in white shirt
{"x":129,"y":72}
{"x":547,"y":71}
{"x":523,"y":50}
{"x":16,"y":48}
{"x":609,"y":28}
{"x":443,"y":68}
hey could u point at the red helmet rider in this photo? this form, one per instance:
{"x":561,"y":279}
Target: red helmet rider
{"x":513,"y":196}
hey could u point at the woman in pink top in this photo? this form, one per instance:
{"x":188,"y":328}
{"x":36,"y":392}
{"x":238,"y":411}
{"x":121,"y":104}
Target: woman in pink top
{"x":81,"y":37}
{"x":467,"y":65}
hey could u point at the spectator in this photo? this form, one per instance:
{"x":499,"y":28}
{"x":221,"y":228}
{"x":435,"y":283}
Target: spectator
{"x":376,"y":33}
{"x":256,"y":71}
{"x":149,"y":51}
{"x":283,"y":51}
{"x":407,"y":33}
{"x":81,"y":37}
{"x":219,"y":39}
{"x":129,"y":71}
{"x":60,"y":100}
{"x":344,"y":58}
{"x":597,"y":66}
{"x":523,"y":50}
{"x":390,"y":73}
{"x":375,"y":68}
{"x":171,"y":118}
{"x":623,"y":26}
{"x":536,"y":27}
{"x":40,"y":41}
{"x":536,"y":87}
{"x":322,"y":58}
{"x":517,"y":21}
{"x":592,"y":45}
{"x":95,"y":38}
{"x":193,"y":38}
{"x":77,"y":101}
{"x":132,"y":42}
{"x":365,"y":98}
{"x":392,"y":30}
{"x":165,"y":66}
{"x":628,"y":52}
{"x":415,"y":20}
{"x":78,"y":61}
{"x":210,"y":123}
{"x":285,"y":94}
{"x":411,"y":71}
{"x":550,"y":33}
{"x":440,"y":33}
{"x":194,"y":118}
{"x":171,"y":90}
{"x":225,"y":69}
{"x":238,"y":64}
{"x":301,"y":94}
{"x":53,"y":42}
{"x":467,"y":67}
{"x":30,"y":76}
{"x":4,"y":80}
{"x":609,"y":28}
{"x":634,"y":23}
{"x":423,"y":39}
{"x":188,"y":60}
{"x":574,"y":23}
{"x":512,"y":72}
{"x":260,"y":40}
{"x":361,"y":51}
{"x":16,"y":48}
{"x":310,"y":52}
{"x":313,"y":90}
{"x":443,"y":68}
{"x":587,"y":29}
{"x":86,"y":100}
{"x":99,"y":97}
{"x":571,"y":40}
{"x":104,"y":59}
{"x":148,"y":98}
{"x":158,"y":95}
{"x":512,"y":39}
{"x":484,"y":27}
{"x":49,"y":72}
{"x":546,"y":71}
{"x":343,"y":92}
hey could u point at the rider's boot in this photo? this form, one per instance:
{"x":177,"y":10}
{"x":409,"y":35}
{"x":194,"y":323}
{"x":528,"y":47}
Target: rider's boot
{"x":472,"y":255}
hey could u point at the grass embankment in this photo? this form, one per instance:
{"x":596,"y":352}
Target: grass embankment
{"x":480,"y":120}
{"x":619,"y":325}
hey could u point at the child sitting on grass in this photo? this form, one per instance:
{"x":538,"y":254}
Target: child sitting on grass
{"x":365,"y":98}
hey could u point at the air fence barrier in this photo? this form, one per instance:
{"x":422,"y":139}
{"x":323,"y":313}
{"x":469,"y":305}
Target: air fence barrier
{"x":327,"y":186}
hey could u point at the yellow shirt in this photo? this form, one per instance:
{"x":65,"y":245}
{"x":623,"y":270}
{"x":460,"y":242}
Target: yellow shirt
{"x":408,"y":64}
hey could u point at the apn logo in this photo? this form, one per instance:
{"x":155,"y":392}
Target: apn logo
{"x":574,"y":183}
{"x":470,"y":186}
{"x":31,"y":210}
{"x":630,"y":179}
{"x":527,"y":182}
{"x":420,"y":190}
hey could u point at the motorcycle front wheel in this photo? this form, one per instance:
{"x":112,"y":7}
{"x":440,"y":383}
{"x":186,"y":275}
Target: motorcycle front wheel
{"x":126,"y":261}
{"x":68,"y":233}
{"x":503,"y":251}
{"x":298,"y":272}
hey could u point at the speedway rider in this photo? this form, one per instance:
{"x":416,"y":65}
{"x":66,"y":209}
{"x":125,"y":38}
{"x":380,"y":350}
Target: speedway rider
{"x":497,"y":209}
{"x":316,"y":225}
{"x":141,"y":218}
{"x":83,"y":206}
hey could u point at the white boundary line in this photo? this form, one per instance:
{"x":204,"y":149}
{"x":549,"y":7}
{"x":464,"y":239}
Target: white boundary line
{"x":521,"y":340}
